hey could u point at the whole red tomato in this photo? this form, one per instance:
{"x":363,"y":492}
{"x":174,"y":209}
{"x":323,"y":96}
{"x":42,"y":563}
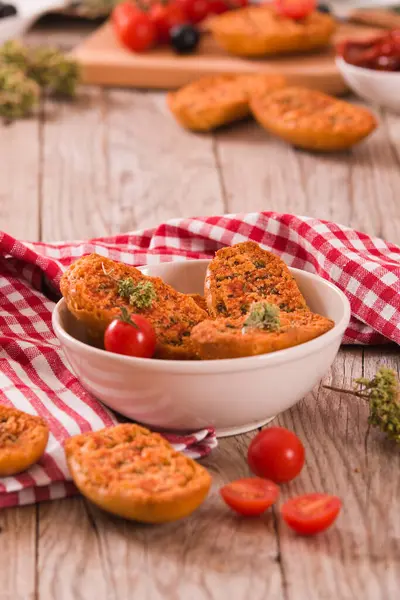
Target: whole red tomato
{"x":250,"y":497}
{"x":195,"y":10}
{"x":133,"y":27}
{"x":131,"y":335}
{"x":311,"y":513}
{"x":277,"y":454}
{"x":165,"y":16}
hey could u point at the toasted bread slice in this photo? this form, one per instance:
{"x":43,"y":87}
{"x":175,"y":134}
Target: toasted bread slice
{"x":200,"y":301}
{"x":209,"y":102}
{"x":96,"y":288}
{"x":133,"y":473}
{"x":312,"y":120}
{"x":229,"y":338}
{"x":23,"y":440}
{"x":262,"y":31}
{"x":242,"y":274}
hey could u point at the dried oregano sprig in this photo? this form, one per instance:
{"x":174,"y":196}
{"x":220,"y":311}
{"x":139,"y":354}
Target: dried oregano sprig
{"x":53,"y":71}
{"x":383,"y":394}
{"x":18,"y":94}
{"x":24,"y":71}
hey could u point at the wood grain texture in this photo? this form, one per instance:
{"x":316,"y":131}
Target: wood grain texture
{"x":70,"y":561}
{"x":20,"y":178}
{"x":117,"y":161}
{"x":18,"y":543}
{"x":156,"y":170}
{"x":358,"y":558}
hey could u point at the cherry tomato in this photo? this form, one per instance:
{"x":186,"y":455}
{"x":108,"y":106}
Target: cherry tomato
{"x":134,"y":28}
{"x":131,"y":335}
{"x":295,"y":9}
{"x":311,"y":513}
{"x":195,"y":10}
{"x":277,"y":454}
{"x":217,"y":7}
{"x":165,"y":16}
{"x":233,"y":4}
{"x":250,"y":497}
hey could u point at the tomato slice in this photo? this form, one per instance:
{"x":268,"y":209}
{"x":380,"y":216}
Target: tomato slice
{"x":295,"y":9}
{"x":311,"y":513}
{"x":250,"y":497}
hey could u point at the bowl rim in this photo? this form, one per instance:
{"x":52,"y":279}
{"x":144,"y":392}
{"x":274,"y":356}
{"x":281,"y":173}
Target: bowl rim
{"x":341,"y":63}
{"x":214,"y":366}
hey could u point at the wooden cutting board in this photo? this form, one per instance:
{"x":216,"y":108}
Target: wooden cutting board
{"x":105,"y":62}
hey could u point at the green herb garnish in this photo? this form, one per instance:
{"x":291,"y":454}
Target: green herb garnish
{"x":263,"y":315}
{"x":221,"y":308}
{"x":259,"y":264}
{"x":140,"y":294}
{"x":383,"y":395}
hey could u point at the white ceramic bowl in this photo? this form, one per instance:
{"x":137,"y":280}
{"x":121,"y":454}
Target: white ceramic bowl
{"x":28,"y":12}
{"x":233,"y":395}
{"x":378,"y":87}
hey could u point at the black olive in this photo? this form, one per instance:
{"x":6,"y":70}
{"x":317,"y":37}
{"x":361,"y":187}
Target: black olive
{"x":324,"y":8}
{"x":184,"y":38}
{"x":7,"y":10}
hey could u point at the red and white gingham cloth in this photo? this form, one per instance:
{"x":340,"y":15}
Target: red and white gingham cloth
{"x":33,"y":373}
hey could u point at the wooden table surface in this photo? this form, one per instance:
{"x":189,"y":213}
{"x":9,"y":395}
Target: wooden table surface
{"x":116,"y":161}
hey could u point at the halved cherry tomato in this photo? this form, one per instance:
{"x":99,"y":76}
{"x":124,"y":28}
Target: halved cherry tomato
{"x":311,"y":513}
{"x":131,"y":335}
{"x":250,"y":497}
{"x":195,"y":10}
{"x":277,"y":454}
{"x":134,"y":28}
{"x":165,"y":16}
{"x":295,"y":9}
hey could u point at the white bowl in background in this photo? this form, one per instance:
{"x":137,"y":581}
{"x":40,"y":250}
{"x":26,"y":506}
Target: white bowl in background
{"x":378,"y":87}
{"x":28,"y":12}
{"x":232,"y":395}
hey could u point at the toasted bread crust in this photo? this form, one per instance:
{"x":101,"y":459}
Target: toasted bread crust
{"x":23,"y":440}
{"x":200,"y":301}
{"x":260,"y":31}
{"x":226,"y":338}
{"x":312,"y":120}
{"x":136,"y":474}
{"x":91,"y":296}
{"x":213,"y":101}
{"x":245,"y":273}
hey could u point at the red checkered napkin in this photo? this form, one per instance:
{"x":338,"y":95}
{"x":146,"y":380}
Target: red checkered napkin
{"x":33,"y":373}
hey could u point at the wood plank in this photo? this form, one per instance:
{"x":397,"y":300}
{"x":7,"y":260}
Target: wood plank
{"x":156,"y":170}
{"x":359,"y":557}
{"x":106,"y":170}
{"x":71,"y":565}
{"x":18,"y":553}
{"x":20,"y":178}
{"x":75,"y":197}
